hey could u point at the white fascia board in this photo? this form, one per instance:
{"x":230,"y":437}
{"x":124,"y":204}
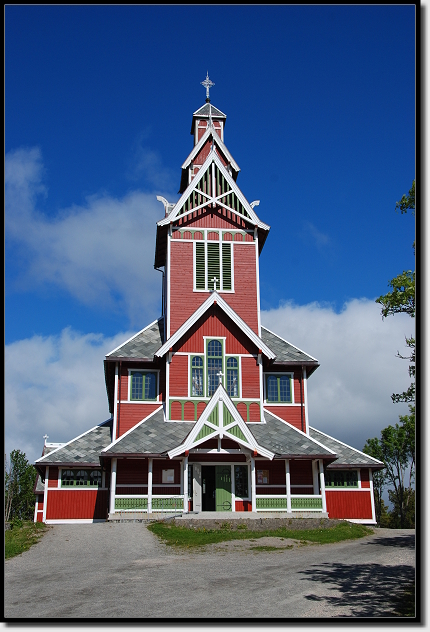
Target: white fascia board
{"x":131,"y":429}
{"x":321,"y":445}
{"x":288,"y":343}
{"x":346,"y":446}
{"x":134,"y":336}
{"x":230,"y":312}
{"x":194,"y":182}
{"x":221,"y":394}
{"x":211,"y":130}
{"x":67,"y":443}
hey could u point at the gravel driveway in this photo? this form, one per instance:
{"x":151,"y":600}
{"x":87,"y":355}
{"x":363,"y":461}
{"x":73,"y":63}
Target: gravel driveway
{"x":115,"y":571}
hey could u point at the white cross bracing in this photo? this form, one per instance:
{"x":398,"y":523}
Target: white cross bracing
{"x":214,"y":281}
{"x":207,"y":83}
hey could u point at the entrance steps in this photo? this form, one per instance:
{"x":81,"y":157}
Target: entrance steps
{"x":143,"y":516}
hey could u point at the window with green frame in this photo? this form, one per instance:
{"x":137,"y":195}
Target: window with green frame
{"x":143,"y":385}
{"x":341,"y":478}
{"x":232,"y":366}
{"x":213,"y":265}
{"x":197,"y":376}
{"x":214,"y":353}
{"x":81,"y":478}
{"x":279,"y":388}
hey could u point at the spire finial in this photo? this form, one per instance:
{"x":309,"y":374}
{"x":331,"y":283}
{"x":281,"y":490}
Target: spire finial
{"x":207,"y":83}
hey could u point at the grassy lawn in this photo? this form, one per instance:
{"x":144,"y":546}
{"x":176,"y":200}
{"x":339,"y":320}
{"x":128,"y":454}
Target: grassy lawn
{"x":21,"y":538}
{"x":185,"y":537}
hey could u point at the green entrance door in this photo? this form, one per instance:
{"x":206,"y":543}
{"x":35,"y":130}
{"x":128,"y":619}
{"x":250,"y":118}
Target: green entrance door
{"x":223,"y":487}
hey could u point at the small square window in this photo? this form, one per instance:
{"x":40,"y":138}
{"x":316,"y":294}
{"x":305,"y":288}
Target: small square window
{"x":143,"y":385}
{"x":168,"y":476}
{"x":262,"y":477}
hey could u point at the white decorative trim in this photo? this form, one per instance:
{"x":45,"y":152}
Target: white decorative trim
{"x":211,"y":131}
{"x":132,"y":429}
{"x":372,"y":497}
{"x":289,"y":343}
{"x":322,"y":486}
{"x":305,"y":395}
{"x":169,"y":257}
{"x":360,"y":520}
{"x":347,"y":446}
{"x":115,"y":412}
{"x":215,"y":297}
{"x":112,"y":485}
{"x":45,"y":494}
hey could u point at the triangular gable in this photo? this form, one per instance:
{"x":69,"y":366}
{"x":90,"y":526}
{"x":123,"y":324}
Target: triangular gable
{"x":221,"y":421}
{"x":211,"y":131}
{"x":195,"y":198}
{"x":215,"y":298}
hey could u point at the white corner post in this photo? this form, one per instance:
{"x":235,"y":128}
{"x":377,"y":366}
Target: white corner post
{"x":150,"y":461}
{"x":185,"y":483}
{"x":45,"y":493}
{"x":372,"y":496}
{"x":288,"y":484}
{"x":115,"y":398}
{"x":322,"y":485}
{"x":305,"y":395}
{"x":233,"y":490}
{"x":253,"y":488}
{"x":112,"y":485}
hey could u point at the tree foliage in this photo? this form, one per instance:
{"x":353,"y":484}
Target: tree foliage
{"x":20,"y":478}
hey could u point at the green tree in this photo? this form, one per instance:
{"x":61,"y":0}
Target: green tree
{"x":20,"y":477}
{"x":373,"y":448}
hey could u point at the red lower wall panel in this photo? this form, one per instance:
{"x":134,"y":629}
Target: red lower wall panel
{"x":290,"y":414}
{"x":243,"y":505}
{"x":76,"y":504}
{"x":354,"y":505}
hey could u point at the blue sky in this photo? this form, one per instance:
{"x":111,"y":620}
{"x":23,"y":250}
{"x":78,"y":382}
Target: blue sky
{"x":99,"y":99}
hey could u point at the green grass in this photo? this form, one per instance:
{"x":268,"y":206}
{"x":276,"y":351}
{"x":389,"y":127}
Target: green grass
{"x":174,"y":535}
{"x":271,"y":548}
{"x":21,"y":538}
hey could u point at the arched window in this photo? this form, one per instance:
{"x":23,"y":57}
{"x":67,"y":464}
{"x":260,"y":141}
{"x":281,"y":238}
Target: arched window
{"x":67,"y":477}
{"x":81,"y":477}
{"x":232,"y":377}
{"x":197,"y":376}
{"x":96,"y":478}
{"x":214,"y":360}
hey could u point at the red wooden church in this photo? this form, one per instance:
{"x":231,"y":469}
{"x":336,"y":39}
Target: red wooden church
{"x":209,"y":409}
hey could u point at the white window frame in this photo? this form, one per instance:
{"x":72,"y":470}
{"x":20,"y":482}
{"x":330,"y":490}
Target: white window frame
{"x":220,"y":243}
{"x":291,"y":375}
{"x":143,"y":401}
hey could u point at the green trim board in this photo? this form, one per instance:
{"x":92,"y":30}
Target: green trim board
{"x":310,"y":504}
{"x":131,"y":504}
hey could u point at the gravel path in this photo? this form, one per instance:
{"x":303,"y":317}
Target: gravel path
{"x":113,"y":571}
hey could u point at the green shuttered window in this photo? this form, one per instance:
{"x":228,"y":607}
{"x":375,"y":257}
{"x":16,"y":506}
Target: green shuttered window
{"x":213,"y":266}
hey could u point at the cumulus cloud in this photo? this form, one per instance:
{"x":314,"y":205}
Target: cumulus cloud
{"x":55,"y":385}
{"x":102,"y":252}
{"x":349,"y":394}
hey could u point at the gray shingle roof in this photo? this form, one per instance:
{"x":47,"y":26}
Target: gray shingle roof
{"x":153,"y":436}
{"x":84,"y":449}
{"x":204,"y":111}
{"x":281,"y":438}
{"x":144,"y":344}
{"x":346,"y":454}
{"x":285,"y":352}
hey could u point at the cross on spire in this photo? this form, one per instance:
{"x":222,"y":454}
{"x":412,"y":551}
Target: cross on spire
{"x":45,"y":436}
{"x":207,"y":83}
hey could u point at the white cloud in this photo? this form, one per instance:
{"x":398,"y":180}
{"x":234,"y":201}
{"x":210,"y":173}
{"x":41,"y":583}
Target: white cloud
{"x":350,"y":393}
{"x":55,"y":385}
{"x":102,"y":252}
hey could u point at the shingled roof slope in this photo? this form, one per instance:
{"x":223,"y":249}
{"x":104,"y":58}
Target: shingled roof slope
{"x":144,"y":344}
{"x":285,"y":351}
{"x":209,"y":108}
{"x":282,"y":438}
{"x":347,"y":456}
{"x":84,"y":449}
{"x":151,"y":436}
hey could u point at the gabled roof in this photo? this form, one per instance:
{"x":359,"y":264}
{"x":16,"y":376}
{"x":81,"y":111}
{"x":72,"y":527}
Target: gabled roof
{"x":285,"y":440}
{"x":153,"y":435}
{"x":347,"y":456}
{"x":84,"y":449}
{"x":285,"y":351}
{"x":228,"y":423}
{"x":142,"y":345}
{"x":211,"y":131}
{"x":213,"y":157}
{"x":214,"y":297}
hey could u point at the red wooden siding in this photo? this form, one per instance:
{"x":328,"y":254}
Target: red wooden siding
{"x":250,"y":378}
{"x":277,"y":474}
{"x":176,"y":411}
{"x":241,"y":407}
{"x":53,"y":477}
{"x":131,"y":414}
{"x":178,"y":377}
{"x":243,"y":505}
{"x":214,"y":323}
{"x":77,"y":504}
{"x":365,"y":482}
{"x":145,"y":366}
{"x":301,"y":473}
{"x":244,"y":298}
{"x":39,"y":517}
{"x":183,"y":301}
{"x":213,"y":218}
{"x":166,"y":464}
{"x":254,"y":412}
{"x":354,"y":505}
{"x":189,"y":410}
{"x":132,"y":471}
{"x":291,"y":414}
